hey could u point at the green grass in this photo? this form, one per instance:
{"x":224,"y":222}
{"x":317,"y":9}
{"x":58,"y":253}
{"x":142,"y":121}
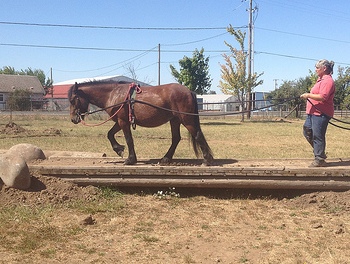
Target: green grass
{"x":228,"y":138}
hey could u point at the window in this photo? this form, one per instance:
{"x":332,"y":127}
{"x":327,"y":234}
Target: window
{"x":1,"y":97}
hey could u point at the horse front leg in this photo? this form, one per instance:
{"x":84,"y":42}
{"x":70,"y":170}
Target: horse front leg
{"x":130,"y":143}
{"x":119,"y":149}
{"x":175,"y":139}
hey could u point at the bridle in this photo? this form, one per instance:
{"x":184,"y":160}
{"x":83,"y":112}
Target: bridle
{"x":128,"y":100}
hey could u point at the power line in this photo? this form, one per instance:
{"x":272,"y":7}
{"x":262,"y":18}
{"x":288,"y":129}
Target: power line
{"x":68,"y":47}
{"x":152,"y":50}
{"x":115,"y":64}
{"x":302,"y":35}
{"x":108,"y":27}
{"x":295,"y":57}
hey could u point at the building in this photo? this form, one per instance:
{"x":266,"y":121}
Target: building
{"x":217,"y":102}
{"x":10,"y":83}
{"x":230,"y":103}
{"x":58,"y":98}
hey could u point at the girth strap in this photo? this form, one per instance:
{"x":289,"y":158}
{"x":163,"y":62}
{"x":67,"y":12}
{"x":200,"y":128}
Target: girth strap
{"x":133,"y":90}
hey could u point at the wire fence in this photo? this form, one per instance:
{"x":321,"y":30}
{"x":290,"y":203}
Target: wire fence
{"x":220,"y":110}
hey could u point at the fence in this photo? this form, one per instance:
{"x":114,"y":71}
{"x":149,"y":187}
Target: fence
{"x":218,"y":110}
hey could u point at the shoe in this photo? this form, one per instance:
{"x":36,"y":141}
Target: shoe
{"x":317,"y":163}
{"x":324,"y":156}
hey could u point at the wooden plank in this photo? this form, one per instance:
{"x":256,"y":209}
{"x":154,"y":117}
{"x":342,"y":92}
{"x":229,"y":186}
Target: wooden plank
{"x":202,"y":177}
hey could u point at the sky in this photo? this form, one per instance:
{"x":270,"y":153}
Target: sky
{"x":87,"y":39}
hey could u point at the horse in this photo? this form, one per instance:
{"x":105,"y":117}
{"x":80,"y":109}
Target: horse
{"x":150,"y":106}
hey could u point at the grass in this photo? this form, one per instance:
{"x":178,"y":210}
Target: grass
{"x":228,"y":138}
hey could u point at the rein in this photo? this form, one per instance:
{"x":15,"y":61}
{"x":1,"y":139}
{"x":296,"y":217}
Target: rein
{"x":133,"y":90}
{"x":330,"y":117}
{"x":131,"y":101}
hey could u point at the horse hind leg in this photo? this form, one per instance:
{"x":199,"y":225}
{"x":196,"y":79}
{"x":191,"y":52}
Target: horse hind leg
{"x":199,"y":141}
{"x":175,"y":139}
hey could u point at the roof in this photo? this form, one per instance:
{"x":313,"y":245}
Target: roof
{"x":10,"y":82}
{"x":59,"y":91}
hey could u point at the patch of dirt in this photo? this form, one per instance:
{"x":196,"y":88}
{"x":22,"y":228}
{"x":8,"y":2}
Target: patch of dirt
{"x":12,"y":128}
{"x":181,"y":226}
{"x":46,"y":190}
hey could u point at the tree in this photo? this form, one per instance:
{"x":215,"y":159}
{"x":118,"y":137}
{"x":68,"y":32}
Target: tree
{"x":234,"y":79}
{"x":288,"y":94}
{"x":194,"y":72}
{"x":19,"y":100}
{"x":342,"y":88}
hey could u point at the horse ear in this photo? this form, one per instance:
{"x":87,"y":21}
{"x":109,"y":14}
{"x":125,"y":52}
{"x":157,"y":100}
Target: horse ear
{"x":75,"y":89}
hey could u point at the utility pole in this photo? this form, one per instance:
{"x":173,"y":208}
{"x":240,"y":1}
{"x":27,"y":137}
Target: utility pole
{"x":250,"y":57}
{"x":158,"y":64}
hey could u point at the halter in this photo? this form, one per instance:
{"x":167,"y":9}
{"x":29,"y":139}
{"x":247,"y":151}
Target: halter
{"x":129,"y":99}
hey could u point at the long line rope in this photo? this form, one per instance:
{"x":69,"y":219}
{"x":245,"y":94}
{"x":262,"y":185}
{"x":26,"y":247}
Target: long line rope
{"x":330,"y":117}
{"x":186,"y":113}
{"x":127,"y":101}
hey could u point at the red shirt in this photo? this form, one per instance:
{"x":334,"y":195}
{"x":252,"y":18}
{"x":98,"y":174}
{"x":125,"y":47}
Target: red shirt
{"x":326,"y":88}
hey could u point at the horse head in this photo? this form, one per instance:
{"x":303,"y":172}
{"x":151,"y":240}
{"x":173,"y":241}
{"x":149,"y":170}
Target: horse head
{"x":78,"y":104}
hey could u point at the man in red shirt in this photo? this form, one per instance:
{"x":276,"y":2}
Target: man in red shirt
{"x":319,"y":110}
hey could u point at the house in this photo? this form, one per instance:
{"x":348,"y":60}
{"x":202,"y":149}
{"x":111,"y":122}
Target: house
{"x":10,"y":83}
{"x":57,"y":99}
{"x":216,"y":102}
{"x":230,"y":103}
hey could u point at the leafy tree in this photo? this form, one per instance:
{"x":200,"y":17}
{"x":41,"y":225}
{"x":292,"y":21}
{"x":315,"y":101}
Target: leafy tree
{"x":234,"y":79}
{"x":194,"y":72}
{"x":19,"y":100}
{"x":342,"y":88}
{"x":288,"y":94}
{"x":8,"y":70}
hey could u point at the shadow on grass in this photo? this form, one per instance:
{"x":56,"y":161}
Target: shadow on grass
{"x":219,"y":193}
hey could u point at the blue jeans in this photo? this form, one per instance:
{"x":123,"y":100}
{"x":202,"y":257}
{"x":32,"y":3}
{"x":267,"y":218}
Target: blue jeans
{"x":314,"y":131}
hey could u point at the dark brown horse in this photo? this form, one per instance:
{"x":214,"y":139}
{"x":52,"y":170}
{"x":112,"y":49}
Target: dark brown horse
{"x":152,"y":107}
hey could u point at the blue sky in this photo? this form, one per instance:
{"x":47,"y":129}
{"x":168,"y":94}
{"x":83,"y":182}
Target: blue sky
{"x":289,"y":36}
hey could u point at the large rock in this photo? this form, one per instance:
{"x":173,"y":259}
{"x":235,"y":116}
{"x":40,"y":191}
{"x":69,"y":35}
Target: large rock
{"x":28,"y":152}
{"x":14,"y":171}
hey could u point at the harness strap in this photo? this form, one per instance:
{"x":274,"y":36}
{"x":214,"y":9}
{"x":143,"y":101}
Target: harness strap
{"x":133,"y":90}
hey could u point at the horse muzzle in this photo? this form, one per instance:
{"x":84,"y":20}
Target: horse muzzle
{"x":76,"y":119}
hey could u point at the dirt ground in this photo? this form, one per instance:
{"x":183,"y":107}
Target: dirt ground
{"x":178,"y":226}
{"x":56,"y":221}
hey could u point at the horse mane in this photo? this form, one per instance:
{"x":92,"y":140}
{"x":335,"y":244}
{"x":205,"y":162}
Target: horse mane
{"x":93,"y":82}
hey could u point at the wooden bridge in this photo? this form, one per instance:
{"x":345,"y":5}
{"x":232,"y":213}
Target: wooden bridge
{"x":228,"y":173}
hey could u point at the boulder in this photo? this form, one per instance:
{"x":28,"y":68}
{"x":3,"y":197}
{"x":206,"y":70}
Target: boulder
{"x":28,"y":152}
{"x":14,"y":171}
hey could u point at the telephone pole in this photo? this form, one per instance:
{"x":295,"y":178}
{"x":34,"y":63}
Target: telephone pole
{"x":158,"y":64}
{"x":250,"y":56}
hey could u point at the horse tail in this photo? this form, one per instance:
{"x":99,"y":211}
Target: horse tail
{"x":198,"y":141}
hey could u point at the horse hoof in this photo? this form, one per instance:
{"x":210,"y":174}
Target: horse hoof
{"x":119,"y":150}
{"x":207,"y":163}
{"x":129,"y":162}
{"x":165,"y":161}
